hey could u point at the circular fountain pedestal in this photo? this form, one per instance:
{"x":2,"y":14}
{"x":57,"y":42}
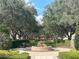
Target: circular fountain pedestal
{"x":39,"y":49}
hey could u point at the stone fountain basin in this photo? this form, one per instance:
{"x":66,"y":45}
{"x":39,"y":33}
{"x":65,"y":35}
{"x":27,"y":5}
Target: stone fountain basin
{"x":39,"y":49}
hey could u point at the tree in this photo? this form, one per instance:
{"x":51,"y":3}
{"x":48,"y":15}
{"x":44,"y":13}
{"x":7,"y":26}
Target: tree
{"x":61,"y":18}
{"x":18,"y":17}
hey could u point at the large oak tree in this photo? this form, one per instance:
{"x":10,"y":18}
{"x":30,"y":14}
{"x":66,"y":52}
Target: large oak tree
{"x":18,"y":17}
{"x":61,"y":18}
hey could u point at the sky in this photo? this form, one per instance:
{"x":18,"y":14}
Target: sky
{"x":40,"y":6}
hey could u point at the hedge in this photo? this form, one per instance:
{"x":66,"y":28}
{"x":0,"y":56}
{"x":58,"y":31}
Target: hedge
{"x":69,"y":55}
{"x":5,"y":54}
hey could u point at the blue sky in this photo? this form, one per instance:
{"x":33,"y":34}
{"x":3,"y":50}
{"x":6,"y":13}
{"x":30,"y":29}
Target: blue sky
{"x":40,"y":5}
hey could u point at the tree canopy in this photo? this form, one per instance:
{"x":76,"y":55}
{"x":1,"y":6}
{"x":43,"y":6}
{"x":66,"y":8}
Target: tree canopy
{"x":18,"y":17}
{"x":61,"y":18}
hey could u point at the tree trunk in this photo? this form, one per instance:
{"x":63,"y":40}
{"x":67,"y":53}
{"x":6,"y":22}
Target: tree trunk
{"x":13,"y":35}
{"x":72,"y":41}
{"x":69,"y":37}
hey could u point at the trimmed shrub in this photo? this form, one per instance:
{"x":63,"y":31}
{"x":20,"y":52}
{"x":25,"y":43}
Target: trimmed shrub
{"x":60,"y":41}
{"x":5,"y":41}
{"x":50,"y":43}
{"x":65,"y":43}
{"x":19,"y":56}
{"x":76,"y":41}
{"x":24,"y":43}
{"x":5,"y":54}
{"x":20,"y":43}
{"x":69,"y":55}
{"x":33,"y":42}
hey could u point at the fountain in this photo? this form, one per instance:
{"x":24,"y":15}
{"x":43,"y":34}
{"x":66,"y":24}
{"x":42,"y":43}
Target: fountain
{"x":42,"y":51}
{"x":41,"y":47}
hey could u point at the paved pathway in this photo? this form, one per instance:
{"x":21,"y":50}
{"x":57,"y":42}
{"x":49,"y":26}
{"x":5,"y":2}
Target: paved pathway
{"x":43,"y":55}
{"x":47,"y":55}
